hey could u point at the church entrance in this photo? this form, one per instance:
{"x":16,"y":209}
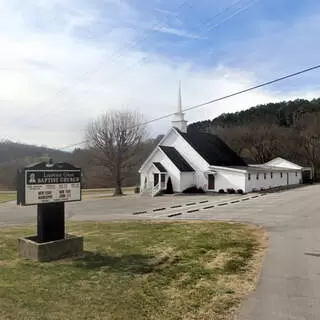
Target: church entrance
{"x":211,"y":182}
{"x":155,"y":179}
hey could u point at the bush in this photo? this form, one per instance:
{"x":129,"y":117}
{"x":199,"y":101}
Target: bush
{"x":240,"y":191}
{"x":231,"y":190}
{"x":221,"y":191}
{"x":169,"y":189}
{"x":193,"y":189}
{"x":136,"y":190}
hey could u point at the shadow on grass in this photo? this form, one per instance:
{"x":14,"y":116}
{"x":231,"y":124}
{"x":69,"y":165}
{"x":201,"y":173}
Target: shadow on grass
{"x":130,"y":264}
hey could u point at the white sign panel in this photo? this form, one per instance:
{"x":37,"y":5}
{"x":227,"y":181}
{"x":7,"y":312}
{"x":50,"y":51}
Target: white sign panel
{"x":45,"y":186}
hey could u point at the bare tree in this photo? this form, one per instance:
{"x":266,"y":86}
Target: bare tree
{"x":232,"y":136}
{"x":257,"y":141}
{"x":308,"y":127}
{"x":262,"y":141}
{"x":116,"y":139}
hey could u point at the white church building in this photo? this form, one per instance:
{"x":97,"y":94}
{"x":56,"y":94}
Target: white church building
{"x":203,"y":160}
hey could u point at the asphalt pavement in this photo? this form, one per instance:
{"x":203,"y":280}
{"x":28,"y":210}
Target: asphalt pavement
{"x":289,"y":285}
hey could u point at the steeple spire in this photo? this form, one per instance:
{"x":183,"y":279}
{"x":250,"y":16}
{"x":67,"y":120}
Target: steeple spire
{"x":179,"y":99}
{"x":178,"y":121}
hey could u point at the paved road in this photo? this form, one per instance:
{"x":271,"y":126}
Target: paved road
{"x":289,"y":287}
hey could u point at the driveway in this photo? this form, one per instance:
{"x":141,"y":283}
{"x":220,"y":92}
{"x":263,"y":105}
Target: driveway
{"x":289,"y":286}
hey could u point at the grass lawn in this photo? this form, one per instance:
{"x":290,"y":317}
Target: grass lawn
{"x":10,"y":196}
{"x":135,"y":271}
{"x":103,"y":193}
{"x":106,"y":190}
{"x":7,"y":196}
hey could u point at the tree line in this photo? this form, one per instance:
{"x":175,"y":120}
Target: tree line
{"x":287,"y":129}
{"x":116,"y":147}
{"x":118,"y":144}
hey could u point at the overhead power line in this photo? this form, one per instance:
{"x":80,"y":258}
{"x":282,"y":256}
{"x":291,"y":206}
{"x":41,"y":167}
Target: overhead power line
{"x":232,"y":15}
{"x":264,"y":84}
{"x":236,"y":93}
{"x":73,"y":145}
{"x":255,"y":87}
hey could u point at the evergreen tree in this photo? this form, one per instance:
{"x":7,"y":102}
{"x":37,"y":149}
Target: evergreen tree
{"x":169,"y":187}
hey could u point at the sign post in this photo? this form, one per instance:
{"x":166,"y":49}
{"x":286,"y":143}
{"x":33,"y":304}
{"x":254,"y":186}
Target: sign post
{"x":49,"y":186}
{"x":50,"y":222}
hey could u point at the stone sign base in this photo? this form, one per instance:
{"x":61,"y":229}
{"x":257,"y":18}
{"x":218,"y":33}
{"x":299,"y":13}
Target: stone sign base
{"x":69,"y":247}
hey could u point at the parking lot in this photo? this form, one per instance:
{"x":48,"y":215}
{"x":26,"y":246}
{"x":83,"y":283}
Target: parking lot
{"x":122,"y":208}
{"x":266,"y":210}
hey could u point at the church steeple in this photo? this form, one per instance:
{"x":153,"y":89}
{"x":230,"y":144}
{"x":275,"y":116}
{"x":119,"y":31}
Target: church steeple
{"x":179,"y":99}
{"x":178,"y":120}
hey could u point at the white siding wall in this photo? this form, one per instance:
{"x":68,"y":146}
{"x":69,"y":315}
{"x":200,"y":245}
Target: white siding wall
{"x":192,"y":157}
{"x":226,"y":180}
{"x":276,"y":181}
{"x":187,"y":179}
{"x":295,"y":179}
{"x":255,"y":184}
{"x":142,"y":180}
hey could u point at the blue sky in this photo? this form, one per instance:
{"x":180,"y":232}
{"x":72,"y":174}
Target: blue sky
{"x":65,"y":62}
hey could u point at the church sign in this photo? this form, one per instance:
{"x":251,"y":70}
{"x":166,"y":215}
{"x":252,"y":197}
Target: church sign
{"x":48,"y":183}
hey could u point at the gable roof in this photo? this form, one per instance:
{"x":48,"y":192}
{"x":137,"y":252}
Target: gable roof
{"x":177,"y":159}
{"x":160,"y":167}
{"x":249,"y":161}
{"x":212,"y":149}
{"x":264,"y":169}
{"x":278,"y":161}
{"x":172,"y":130}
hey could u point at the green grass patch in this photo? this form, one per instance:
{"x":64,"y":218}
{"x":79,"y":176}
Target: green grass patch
{"x":103,"y":193}
{"x":105,"y":190}
{"x":7,"y":196}
{"x":135,"y":271}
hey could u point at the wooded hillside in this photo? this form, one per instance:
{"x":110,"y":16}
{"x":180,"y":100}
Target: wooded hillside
{"x":14,"y":156}
{"x":286,"y":129}
{"x":284,"y":114}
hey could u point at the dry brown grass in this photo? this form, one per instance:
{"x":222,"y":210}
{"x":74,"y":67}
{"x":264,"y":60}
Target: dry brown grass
{"x":7,"y":196}
{"x":158,"y":271}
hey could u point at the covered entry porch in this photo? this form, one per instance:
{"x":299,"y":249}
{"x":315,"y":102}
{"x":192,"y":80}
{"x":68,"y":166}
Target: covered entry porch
{"x":160,"y":177}
{"x":156,"y":181}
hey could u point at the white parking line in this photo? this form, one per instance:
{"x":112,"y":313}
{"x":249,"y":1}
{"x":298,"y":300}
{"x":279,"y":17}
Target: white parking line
{"x":184,"y":210}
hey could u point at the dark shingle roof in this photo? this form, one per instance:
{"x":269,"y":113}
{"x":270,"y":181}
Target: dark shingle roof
{"x":160,"y":167}
{"x":177,"y":159}
{"x":213,"y":149}
{"x":249,"y":161}
{"x":263,"y":168}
